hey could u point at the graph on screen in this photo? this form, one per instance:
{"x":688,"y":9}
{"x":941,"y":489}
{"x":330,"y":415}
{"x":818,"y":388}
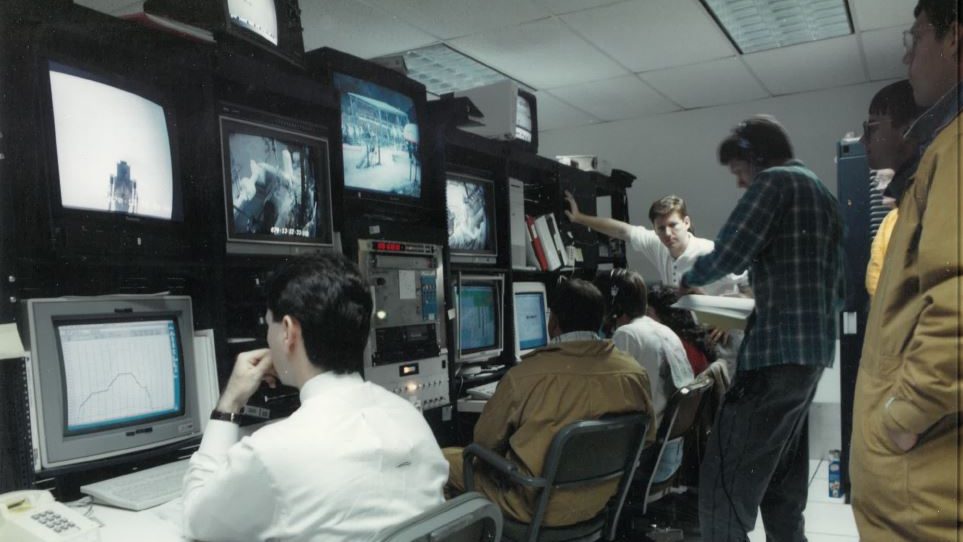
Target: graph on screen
{"x":120,"y":372}
{"x":476,"y":317}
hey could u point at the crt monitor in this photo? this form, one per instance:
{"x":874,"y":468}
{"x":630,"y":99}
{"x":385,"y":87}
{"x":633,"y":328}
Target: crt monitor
{"x":471,"y":218}
{"x":115,"y":154}
{"x":380,"y":140}
{"x":531,"y":316}
{"x":110,"y":376}
{"x":276,"y":183}
{"x":479,"y":317}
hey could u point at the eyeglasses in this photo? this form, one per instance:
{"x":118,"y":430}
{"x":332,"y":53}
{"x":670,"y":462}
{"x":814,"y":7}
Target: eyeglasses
{"x":868,"y":127}
{"x":911,"y":37}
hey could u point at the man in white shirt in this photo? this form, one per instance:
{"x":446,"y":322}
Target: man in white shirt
{"x":670,"y":246}
{"x":353,"y":460}
{"x":653,"y":345}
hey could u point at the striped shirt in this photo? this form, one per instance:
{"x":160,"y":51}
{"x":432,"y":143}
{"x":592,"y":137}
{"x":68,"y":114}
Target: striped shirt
{"x":788,"y":230}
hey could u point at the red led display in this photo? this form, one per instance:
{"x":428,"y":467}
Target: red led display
{"x":389,"y":247}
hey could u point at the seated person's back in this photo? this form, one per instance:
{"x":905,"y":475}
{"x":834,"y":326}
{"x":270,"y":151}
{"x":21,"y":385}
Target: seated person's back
{"x":579,"y":377}
{"x":353,"y":460}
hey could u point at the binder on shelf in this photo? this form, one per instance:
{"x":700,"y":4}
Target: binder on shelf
{"x":542,"y":244}
{"x":563,"y":254}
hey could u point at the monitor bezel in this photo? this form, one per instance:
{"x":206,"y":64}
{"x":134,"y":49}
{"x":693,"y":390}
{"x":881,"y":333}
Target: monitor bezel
{"x":486,"y":353}
{"x":70,"y":452}
{"x":274,"y":126}
{"x":325,"y":62}
{"x":473,"y":256}
{"x":63,"y":214}
{"x":528,"y":288}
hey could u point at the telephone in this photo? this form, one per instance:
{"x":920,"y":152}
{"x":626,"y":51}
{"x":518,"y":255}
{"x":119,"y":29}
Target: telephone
{"x":34,"y":516}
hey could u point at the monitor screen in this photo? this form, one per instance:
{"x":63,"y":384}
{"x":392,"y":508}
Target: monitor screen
{"x":523,"y":119}
{"x":531,"y":326}
{"x":110,"y":376}
{"x":258,"y":16}
{"x":477,"y":317}
{"x":113,"y":148}
{"x":120,"y":373}
{"x":275,"y":183}
{"x":471,"y":215}
{"x":380,"y":138}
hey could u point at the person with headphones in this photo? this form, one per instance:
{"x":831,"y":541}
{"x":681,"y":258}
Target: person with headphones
{"x":787,"y":228}
{"x":654,"y":346}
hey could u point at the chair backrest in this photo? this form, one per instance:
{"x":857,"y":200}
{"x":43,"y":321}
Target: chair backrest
{"x":469,"y":517}
{"x":590,"y":452}
{"x":681,"y":412}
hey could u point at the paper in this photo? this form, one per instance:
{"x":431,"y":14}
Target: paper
{"x":208,"y":389}
{"x":10,"y":345}
{"x":406,"y":284}
{"x":720,"y":312}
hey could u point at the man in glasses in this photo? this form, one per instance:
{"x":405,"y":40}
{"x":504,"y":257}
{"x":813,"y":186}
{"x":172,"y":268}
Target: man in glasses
{"x":905,"y":462}
{"x":891,"y":112}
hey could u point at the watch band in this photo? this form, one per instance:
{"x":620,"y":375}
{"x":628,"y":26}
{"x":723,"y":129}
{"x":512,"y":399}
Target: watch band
{"x":233,"y":417}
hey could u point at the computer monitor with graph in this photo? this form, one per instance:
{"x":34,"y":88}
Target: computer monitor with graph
{"x":479,"y":317}
{"x":110,"y":376}
{"x":531,"y":316}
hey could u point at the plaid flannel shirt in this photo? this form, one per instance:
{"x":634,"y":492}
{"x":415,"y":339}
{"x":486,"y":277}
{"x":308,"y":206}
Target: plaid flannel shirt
{"x":788,"y":230}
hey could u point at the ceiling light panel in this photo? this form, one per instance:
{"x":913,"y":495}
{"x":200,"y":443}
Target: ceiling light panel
{"x":442,"y":70}
{"x":759,"y":25}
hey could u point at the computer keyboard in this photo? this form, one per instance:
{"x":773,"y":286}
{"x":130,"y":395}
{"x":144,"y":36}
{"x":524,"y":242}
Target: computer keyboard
{"x":485,"y":391}
{"x":142,"y":489}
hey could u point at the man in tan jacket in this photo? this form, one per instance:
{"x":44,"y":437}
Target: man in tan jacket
{"x":578,"y":377}
{"x":905,"y":462}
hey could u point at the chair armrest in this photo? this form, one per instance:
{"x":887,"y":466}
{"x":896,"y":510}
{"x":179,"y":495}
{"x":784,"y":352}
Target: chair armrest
{"x":499,"y":463}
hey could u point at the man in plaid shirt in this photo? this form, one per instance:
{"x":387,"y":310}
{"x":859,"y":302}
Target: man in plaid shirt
{"x":787,"y":229}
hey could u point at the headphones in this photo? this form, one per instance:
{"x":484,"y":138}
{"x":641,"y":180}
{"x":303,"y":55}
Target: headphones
{"x":755,"y":158}
{"x":617,"y":301}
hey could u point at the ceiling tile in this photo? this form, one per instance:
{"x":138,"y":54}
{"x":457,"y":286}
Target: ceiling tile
{"x":653,"y":34}
{"x":615,"y":99}
{"x":543,"y":54}
{"x":884,"y":53}
{"x":338,"y":23}
{"x":809,"y":66}
{"x":448,"y":19}
{"x":554,"y":114}
{"x":568,"y":6}
{"x":871,"y":14}
{"x":731,"y":83}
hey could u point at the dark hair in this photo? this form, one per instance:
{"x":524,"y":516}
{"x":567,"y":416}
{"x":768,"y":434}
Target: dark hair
{"x":578,"y":306}
{"x":759,"y":140}
{"x":624,"y":293}
{"x":328,"y":297}
{"x":896,"y":102}
{"x":680,"y":321}
{"x":941,"y":13}
{"x":667,"y":205}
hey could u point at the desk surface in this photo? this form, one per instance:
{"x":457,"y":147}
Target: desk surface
{"x":158,"y":524}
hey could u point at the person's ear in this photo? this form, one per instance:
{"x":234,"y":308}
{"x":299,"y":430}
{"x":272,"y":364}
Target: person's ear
{"x":292,"y":333}
{"x":687,"y":222}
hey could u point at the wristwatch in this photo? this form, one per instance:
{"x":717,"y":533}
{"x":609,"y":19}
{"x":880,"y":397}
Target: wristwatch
{"x":233,"y":417}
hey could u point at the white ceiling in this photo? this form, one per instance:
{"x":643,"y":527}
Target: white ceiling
{"x":595,"y":61}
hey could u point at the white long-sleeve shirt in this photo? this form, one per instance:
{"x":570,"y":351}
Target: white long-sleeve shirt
{"x":353,"y":460}
{"x":671,"y":269}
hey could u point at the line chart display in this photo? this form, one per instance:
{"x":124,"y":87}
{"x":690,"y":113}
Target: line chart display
{"x":117,"y":373}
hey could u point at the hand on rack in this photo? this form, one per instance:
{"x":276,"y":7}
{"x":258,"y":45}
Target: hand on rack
{"x":572,"y":213}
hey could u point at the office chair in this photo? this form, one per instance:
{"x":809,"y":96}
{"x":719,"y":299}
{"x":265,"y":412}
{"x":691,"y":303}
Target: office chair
{"x":582,"y":454}
{"x":681,"y":413}
{"x":469,"y":517}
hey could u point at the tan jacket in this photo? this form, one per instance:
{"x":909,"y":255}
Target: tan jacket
{"x":878,"y":250}
{"x":910,"y":371}
{"x":558,"y":385}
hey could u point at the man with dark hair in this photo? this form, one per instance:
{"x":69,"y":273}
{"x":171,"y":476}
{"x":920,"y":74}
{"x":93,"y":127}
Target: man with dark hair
{"x":890,"y":113}
{"x":906,"y":463}
{"x":670,"y":246}
{"x":787,"y":227}
{"x":655,"y":347}
{"x":578,"y":377}
{"x":351,"y":461}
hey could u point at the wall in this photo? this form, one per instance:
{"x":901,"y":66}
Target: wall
{"x":676,"y":153}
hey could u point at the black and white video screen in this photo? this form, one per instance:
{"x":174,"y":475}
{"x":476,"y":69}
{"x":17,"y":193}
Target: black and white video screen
{"x":470,"y":220}
{"x":379,"y":132}
{"x":113,"y":148}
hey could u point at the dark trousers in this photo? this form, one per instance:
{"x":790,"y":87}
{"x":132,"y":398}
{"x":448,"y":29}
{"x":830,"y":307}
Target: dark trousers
{"x":757,"y":456}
